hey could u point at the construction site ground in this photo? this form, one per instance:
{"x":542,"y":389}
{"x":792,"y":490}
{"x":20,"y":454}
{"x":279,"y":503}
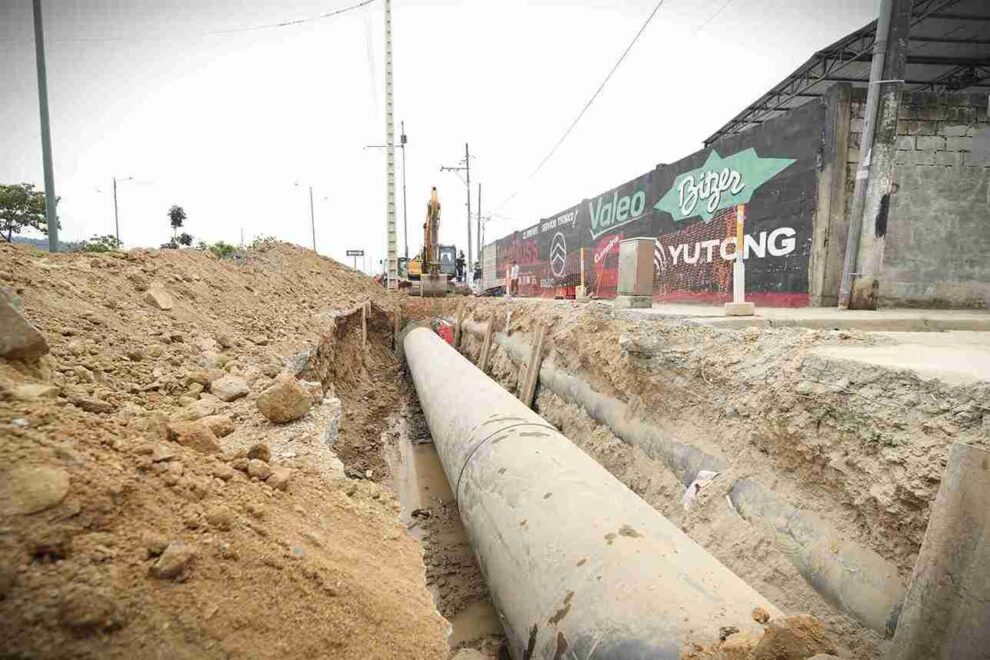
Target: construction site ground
{"x":126,"y":532}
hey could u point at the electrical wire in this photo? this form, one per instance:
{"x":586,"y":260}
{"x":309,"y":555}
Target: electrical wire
{"x":196,"y":35}
{"x":588,"y":104}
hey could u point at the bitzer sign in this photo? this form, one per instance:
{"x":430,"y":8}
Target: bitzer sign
{"x":689,"y":208}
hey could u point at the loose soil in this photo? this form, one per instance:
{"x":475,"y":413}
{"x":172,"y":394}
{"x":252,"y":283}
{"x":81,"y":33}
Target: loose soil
{"x":116,"y":541}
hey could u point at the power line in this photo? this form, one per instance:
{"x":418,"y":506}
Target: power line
{"x":711,"y":18}
{"x":588,"y":104}
{"x":246,"y":28}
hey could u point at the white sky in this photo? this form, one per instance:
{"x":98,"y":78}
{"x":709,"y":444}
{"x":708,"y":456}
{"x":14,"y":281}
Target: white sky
{"x":224,"y":124}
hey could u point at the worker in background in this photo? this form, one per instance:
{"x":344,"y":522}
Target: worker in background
{"x":459,"y":265}
{"x":514,"y":279}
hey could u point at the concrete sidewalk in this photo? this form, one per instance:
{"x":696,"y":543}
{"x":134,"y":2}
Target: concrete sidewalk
{"x":906,"y":320}
{"x":955,"y":358}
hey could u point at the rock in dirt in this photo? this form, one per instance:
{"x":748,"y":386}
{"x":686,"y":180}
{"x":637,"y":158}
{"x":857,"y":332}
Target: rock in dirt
{"x":738,"y":646}
{"x":469,"y":654}
{"x":158,"y":297}
{"x":259,"y":469}
{"x":760,"y":615}
{"x":154,"y":543}
{"x":92,"y":405}
{"x":154,"y":426}
{"x":222,"y":471}
{"x":221,"y":425}
{"x":220,"y":517}
{"x":798,"y":636}
{"x":26,"y":490}
{"x":229,"y":388}
{"x":286,"y":400}
{"x":161,"y":453}
{"x":174,"y":561}
{"x":19,"y":340}
{"x":34,"y":392}
{"x":84,"y":608}
{"x":315,"y":390}
{"x":261,"y":452}
{"x":198,"y":409}
{"x":194,"y":435}
{"x":279,"y":479}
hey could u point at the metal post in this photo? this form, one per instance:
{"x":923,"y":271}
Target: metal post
{"x":875,"y":150}
{"x":116,"y":218}
{"x":393,"y":261}
{"x":467,"y":167}
{"x":405,"y":205}
{"x":480,"y":240}
{"x":312,"y":217}
{"x":51,"y":212}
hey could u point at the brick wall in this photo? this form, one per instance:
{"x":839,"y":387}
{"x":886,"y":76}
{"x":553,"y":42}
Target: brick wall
{"x":937,"y":250}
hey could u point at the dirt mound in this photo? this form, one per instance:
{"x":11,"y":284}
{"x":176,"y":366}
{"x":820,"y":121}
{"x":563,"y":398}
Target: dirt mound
{"x":154,"y":510}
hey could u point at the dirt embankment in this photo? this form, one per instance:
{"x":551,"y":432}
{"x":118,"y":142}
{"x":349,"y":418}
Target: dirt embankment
{"x":861,"y":448}
{"x":150,"y":508}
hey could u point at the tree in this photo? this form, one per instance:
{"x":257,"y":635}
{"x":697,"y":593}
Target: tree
{"x":106,"y":243}
{"x":21,"y":206}
{"x":176,"y":216}
{"x":221,"y":249}
{"x":185,"y":239}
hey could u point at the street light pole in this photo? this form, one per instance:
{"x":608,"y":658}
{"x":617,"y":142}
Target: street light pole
{"x":116,"y":217}
{"x":466,"y":167}
{"x":312,"y":217}
{"x":405,"y":215}
{"x":51,"y":213}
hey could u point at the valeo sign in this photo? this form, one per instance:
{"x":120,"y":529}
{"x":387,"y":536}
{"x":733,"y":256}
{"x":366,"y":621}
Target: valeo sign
{"x":718,"y":184}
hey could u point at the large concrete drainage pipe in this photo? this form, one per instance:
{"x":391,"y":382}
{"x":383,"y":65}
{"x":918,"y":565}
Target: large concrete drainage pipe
{"x":578,"y":565}
{"x":851,"y":577}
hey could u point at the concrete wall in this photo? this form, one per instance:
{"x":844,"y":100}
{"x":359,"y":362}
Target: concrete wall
{"x":937,"y":250}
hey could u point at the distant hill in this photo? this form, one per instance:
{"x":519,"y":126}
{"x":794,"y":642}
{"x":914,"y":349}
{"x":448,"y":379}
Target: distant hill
{"x":42,"y":243}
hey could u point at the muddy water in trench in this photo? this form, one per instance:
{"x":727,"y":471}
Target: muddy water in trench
{"x":431,"y":516}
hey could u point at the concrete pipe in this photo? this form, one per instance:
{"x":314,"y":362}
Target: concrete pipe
{"x":851,"y":577}
{"x":578,"y":566}
{"x":946,"y":614}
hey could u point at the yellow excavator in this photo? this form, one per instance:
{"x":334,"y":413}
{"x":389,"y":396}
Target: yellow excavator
{"x":432,"y":282}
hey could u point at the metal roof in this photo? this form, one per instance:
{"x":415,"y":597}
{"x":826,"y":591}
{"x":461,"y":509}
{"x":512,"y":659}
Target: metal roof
{"x":949,"y":49}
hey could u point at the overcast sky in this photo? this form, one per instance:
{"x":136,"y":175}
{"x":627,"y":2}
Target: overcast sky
{"x":225,"y":124}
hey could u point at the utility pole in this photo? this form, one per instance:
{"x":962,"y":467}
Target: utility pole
{"x":116,"y":217}
{"x":466,"y":167}
{"x":393,"y":261}
{"x":51,"y":212}
{"x":405,"y":216}
{"x":859,"y":287}
{"x":312,"y":217}
{"x":480,"y":237}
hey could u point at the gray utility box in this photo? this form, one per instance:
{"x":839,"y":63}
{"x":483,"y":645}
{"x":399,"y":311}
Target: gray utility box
{"x":635,"y":273}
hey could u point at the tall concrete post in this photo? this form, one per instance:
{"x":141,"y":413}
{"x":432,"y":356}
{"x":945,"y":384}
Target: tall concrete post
{"x":859,"y":286}
{"x":946,"y":613}
{"x":51,"y":201}
{"x":392,"y":256}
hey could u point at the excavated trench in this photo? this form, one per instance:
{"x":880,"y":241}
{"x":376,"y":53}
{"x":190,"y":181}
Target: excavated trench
{"x":431,"y":516}
{"x":743,"y":517}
